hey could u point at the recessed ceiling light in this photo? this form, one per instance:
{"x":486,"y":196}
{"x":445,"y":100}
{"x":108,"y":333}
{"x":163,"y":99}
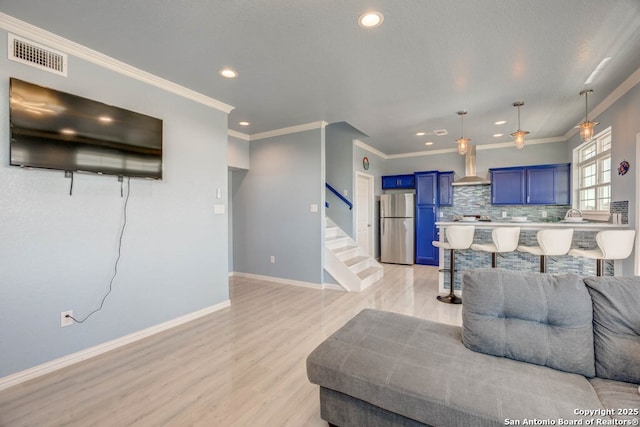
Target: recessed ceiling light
{"x":370,"y":19}
{"x":497,"y":135}
{"x":67,"y":131}
{"x":244,"y":123}
{"x":421,"y":134}
{"x":228,"y":73}
{"x":428,"y":143}
{"x":500,"y":122}
{"x":105,"y":119}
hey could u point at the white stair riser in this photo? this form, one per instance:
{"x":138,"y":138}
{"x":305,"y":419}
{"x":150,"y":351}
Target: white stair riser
{"x":345,"y":255}
{"x":362,"y":265}
{"x":338,"y":242}
{"x":340,"y":249}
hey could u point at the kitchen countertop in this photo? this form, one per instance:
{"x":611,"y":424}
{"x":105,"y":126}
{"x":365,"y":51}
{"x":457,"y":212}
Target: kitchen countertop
{"x":585,"y":225}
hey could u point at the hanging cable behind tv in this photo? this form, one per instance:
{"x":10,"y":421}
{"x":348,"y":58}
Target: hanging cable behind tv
{"x":117,"y":262}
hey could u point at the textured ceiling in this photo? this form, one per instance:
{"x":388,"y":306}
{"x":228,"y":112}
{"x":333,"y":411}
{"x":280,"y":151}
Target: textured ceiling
{"x":302,"y":61}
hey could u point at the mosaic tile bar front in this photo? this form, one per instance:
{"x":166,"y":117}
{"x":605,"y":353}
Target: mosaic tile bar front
{"x":476,"y":200}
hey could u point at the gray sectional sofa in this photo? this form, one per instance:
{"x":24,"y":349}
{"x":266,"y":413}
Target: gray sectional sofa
{"x":534,"y":349}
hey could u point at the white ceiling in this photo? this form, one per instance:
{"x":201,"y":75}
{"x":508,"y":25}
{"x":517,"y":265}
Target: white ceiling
{"x":302,"y":61}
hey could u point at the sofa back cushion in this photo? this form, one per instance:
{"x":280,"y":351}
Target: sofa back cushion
{"x":616,"y":327}
{"x":532,"y":317}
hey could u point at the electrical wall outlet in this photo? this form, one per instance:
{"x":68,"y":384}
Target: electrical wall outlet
{"x":64,"y":320}
{"x":544,"y":214}
{"x":504,"y":214}
{"x":272,"y":259}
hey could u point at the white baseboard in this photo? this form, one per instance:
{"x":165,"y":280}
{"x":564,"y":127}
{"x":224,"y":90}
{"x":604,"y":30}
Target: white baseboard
{"x":279,"y":280}
{"x":62,"y":362}
{"x":333,"y":287}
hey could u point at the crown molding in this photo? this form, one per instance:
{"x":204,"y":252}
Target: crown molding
{"x":288,"y":130}
{"x":618,"y":93}
{"x":495,"y":146}
{"x":527,"y":142}
{"x":239,"y":135}
{"x":370,"y":149}
{"x":46,"y":38}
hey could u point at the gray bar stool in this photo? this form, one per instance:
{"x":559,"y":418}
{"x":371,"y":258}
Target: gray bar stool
{"x":505,"y":239}
{"x":458,"y":237}
{"x":612,"y":244}
{"x":552,"y":241}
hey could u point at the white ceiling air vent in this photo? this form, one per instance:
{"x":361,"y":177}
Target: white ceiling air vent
{"x":440,"y":132}
{"x":36,"y":55}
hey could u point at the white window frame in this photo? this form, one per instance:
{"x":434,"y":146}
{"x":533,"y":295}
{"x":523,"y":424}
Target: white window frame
{"x":601,"y":214}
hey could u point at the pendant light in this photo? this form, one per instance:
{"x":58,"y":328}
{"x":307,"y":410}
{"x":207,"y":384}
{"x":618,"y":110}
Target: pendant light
{"x":586,"y":127}
{"x":518,"y":136}
{"x":463,"y":142}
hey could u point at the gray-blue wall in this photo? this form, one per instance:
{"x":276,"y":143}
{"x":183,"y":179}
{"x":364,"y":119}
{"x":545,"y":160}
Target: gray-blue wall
{"x":532,"y":154}
{"x":339,"y":172}
{"x":624,"y":118}
{"x":57,"y":252}
{"x":271,"y":206}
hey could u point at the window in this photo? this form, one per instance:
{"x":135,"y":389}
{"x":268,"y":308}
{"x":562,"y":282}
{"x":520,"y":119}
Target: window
{"x":593,"y":161}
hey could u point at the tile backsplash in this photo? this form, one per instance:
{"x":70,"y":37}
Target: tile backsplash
{"x":476,"y":200}
{"x":621,"y":208}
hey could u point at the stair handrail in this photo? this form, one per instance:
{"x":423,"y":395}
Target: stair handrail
{"x":340,"y":196}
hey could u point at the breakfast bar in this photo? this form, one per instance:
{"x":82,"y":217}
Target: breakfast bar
{"x":583,"y":238}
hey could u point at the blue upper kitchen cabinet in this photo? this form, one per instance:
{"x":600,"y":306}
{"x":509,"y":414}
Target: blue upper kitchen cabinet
{"x":445,"y":189}
{"x":392,"y":182}
{"x":507,"y":186}
{"x":534,"y":185}
{"x":549,"y":185}
{"x":426,"y":188}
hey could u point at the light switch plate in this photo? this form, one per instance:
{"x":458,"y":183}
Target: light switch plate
{"x":218,"y":209}
{"x":314,"y":208}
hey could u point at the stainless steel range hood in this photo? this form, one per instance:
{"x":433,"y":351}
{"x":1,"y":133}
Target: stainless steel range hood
{"x":470,"y":177}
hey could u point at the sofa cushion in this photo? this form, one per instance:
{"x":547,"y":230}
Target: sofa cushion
{"x":621,"y":398}
{"x":421,"y":370}
{"x":532,"y":317}
{"x":616,"y":327}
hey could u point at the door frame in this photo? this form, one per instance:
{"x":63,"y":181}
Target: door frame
{"x":370,"y":201}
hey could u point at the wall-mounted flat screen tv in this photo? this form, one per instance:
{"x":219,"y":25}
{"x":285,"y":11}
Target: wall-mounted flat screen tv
{"x":56,"y":130}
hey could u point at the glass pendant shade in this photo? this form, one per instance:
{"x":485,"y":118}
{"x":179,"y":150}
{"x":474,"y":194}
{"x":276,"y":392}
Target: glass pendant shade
{"x":587,"y":127}
{"x":463,"y":143}
{"x":518,"y":136}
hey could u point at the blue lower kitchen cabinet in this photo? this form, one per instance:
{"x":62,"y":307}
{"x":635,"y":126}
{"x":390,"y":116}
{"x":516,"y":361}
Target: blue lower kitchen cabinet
{"x":426,"y":233}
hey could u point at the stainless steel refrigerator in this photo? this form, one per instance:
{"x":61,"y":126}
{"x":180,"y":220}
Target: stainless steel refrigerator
{"x":397,"y":228}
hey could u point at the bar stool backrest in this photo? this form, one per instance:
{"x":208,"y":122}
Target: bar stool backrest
{"x":616,"y":244}
{"x":506,"y":238}
{"x":460,"y":236}
{"x":555,"y":241}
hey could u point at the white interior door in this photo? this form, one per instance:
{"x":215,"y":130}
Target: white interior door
{"x":364,"y":212}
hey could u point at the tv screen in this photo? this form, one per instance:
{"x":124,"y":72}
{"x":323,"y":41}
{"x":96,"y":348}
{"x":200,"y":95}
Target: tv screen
{"x":56,"y":130}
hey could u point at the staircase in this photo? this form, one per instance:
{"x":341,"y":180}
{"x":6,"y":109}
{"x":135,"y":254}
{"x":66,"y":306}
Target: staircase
{"x":346,"y":262}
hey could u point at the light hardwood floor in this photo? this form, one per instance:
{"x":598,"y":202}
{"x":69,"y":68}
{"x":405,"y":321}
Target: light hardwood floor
{"x":241,"y":366}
